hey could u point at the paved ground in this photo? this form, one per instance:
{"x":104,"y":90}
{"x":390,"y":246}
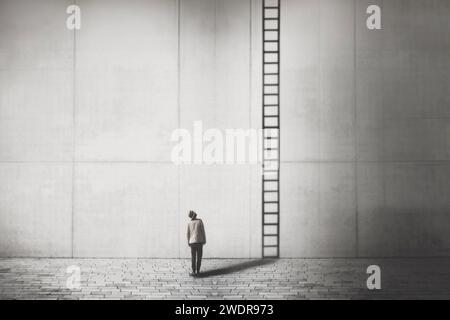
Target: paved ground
{"x":223,"y":279}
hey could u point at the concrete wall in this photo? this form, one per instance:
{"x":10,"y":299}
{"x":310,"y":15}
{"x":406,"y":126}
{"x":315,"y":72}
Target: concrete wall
{"x":86,"y":119}
{"x":36,"y":129}
{"x":365,"y":125}
{"x":216,"y":81}
{"x":125,"y":189}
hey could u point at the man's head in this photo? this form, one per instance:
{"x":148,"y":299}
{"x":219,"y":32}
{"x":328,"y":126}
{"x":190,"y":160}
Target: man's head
{"x":192,"y":214}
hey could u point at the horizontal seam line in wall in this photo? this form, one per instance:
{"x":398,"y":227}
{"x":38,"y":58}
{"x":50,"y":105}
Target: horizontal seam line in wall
{"x":370,"y":161}
{"x":221,"y":258}
{"x":89,"y":162}
{"x":38,"y":69}
{"x":446,"y":162}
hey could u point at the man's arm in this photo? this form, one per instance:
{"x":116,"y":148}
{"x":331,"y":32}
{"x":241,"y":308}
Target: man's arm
{"x":203,"y":230}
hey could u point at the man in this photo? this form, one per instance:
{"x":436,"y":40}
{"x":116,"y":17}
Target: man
{"x":196,"y":239}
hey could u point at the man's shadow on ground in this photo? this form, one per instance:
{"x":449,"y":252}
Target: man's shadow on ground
{"x":236,"y":267}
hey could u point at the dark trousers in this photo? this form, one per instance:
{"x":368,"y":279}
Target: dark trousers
{"x":196,"y":253}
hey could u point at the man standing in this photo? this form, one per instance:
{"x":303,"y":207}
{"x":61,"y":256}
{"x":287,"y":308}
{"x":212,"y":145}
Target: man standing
{"x":196,"y":239}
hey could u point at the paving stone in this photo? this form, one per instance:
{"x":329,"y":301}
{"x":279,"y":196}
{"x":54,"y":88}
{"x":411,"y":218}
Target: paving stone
{"x":224,"y":279}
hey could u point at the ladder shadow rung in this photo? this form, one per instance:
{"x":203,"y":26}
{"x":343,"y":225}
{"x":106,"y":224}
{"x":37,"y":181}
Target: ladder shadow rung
{"x":270,"y":181}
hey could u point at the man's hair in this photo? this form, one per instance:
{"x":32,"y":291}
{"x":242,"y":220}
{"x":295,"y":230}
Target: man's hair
{"x":192,"y":214}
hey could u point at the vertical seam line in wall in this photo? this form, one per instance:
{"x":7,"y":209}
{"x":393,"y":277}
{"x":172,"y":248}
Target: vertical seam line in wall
{"x":319,"y":196}
{"x":355,"y":129}
{"x":383,"y":121}
{"x":279,"y":130}
{"x":250,"y":125}
{"x":215,"y":52}
{"x":73,"y":136}
{"x":261,"y":27}
{"x":179,"y":119}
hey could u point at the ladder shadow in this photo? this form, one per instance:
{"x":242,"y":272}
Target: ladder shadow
{"x":236,"y":267}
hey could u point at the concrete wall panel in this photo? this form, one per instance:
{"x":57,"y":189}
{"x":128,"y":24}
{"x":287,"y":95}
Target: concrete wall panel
{"x":369,"y":95}
{"x":399,"y":210}
{"x":35,"y":210}
{"x":300,"y":78}
{"x":126,"y":210}
{"x":221,"y":197}
{"x":36,"y":58}
{"x":35,"y":115}
{"x":318,"y":208}
{"x":215,"y":89}
{"x":215,"y":63}
{"x":403,"y":209}
{"x":413,"y":51}
{"x":337,"y":46}
{"x":33,"y":35}
{"x":126,"y":80}
{"x":256,"y":123}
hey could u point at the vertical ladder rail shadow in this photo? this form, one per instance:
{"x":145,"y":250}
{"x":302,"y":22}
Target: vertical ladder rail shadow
{"x":271,"y":129}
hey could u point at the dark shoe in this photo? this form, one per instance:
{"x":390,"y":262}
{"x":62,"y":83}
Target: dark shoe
{"x":192,"y":274}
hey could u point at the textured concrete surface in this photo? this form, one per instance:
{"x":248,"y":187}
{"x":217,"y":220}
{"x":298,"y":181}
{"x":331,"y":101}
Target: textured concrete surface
{"x":224,"y":279}
{"x":364,"y":122}
{"x":86,"y":118}
{"x":36,"y":129}
{"x":215,"y":87}
{"x":86,"y":122}
{"x":402,"y":140}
